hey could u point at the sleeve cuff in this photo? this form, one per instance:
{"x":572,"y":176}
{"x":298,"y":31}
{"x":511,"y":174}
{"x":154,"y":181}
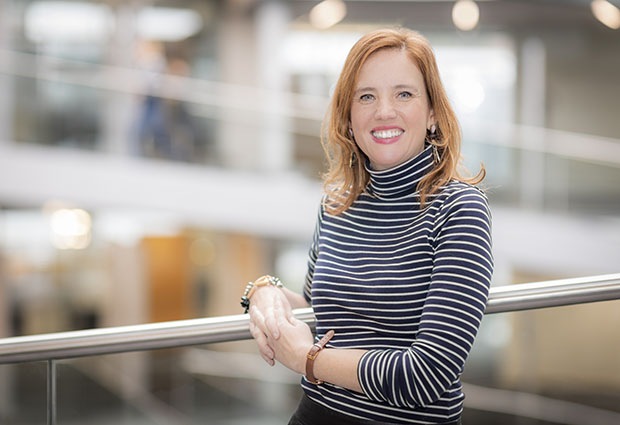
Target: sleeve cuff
{"x":369,"y":375}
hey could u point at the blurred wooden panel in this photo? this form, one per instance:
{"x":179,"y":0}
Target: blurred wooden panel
{"x":168,"y":275}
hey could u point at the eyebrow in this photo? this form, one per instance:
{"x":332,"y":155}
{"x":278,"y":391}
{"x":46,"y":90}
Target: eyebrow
{"x":396,"y":87}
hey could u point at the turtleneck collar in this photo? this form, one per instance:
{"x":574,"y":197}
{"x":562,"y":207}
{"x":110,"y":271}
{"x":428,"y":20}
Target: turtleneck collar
{"x":401,"y":179}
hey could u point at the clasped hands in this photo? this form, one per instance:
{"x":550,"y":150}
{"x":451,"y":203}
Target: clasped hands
{"x":280,"y":336}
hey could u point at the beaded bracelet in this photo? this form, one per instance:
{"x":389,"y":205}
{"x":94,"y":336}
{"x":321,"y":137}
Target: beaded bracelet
{"x":251,"y":287}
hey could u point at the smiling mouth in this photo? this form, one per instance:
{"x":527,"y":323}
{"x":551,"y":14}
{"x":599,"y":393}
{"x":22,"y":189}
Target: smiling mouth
{"x":387,"y":134}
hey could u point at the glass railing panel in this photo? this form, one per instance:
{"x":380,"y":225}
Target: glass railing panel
{"x":23,"y":393}
{"x":215,"y":384}
{"x":126,"y":111}
{"x":546,"y":366}
{"x":533,"y":180}
{"x":235,"y":386}
{"x":584,"y":187}
{"x":57,"y":113}
{"x":75,"y":104}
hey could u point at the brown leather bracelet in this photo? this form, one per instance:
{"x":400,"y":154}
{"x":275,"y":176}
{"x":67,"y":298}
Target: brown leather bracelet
{"x":312,"y":355}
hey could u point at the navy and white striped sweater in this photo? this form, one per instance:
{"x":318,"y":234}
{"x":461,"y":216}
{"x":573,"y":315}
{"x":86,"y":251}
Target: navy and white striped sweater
{"x":408,"y":285}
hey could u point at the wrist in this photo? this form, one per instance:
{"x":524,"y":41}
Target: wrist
{"x":302,"y":357}
{"x":252,"y":287}
{"x":313,"y":354}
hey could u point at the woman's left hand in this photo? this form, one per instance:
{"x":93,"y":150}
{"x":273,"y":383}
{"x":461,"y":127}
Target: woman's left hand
{"x":293,"y":342}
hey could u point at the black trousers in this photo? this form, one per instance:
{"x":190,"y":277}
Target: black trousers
{"x":310,"y":413}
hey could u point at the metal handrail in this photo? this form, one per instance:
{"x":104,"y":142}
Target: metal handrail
{"x":232,"y":328}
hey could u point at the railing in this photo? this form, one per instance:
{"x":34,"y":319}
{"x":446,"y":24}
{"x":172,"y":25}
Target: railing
{"x":51,"y":347}
{"x":154,"y":336}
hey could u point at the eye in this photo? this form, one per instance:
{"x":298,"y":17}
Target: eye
{"x":366,"y":97}
{"x":405,"y":95}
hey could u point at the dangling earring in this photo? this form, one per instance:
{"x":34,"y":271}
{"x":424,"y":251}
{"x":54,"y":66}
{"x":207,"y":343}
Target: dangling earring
{"x":353,"y":156}
{"x":436,"y":157}
{"x":432,"y":136}
{"x":352,"y":160}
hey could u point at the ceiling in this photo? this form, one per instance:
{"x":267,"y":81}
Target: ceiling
{"x":436,"y":15}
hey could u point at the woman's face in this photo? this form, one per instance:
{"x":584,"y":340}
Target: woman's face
{"x":390,"y":111}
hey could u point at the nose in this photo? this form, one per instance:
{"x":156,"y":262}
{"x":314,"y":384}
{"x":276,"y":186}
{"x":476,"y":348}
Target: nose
{"x":385,"y":109}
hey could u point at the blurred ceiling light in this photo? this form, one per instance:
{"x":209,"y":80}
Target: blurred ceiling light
{"x":606,"y":13}
{"x":327,"y":13}
{"x":465,"y":15}
{"x":52,"y":21}
{"x":71,"y":228}
{"x":168,"y":24}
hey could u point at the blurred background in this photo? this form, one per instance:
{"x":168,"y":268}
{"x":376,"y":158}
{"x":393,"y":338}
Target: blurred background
{"x":157,"y":155}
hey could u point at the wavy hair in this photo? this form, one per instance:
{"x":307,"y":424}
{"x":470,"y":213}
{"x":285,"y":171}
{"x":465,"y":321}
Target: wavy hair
{"x":347,"y":176}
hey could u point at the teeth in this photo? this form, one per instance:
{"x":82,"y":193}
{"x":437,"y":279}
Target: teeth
{"x":387,"y":134}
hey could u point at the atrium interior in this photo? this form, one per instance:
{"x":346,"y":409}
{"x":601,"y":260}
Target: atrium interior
{"x":157,"y":155}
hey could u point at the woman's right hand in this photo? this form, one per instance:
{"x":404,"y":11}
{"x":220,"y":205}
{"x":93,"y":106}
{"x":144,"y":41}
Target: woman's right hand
{"x":264,"y":318}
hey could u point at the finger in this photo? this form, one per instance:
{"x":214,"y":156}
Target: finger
{"x":264,"y":349}
{"x":280,"y":313}
{"x":290,"y":316}
{"x":271,"y":324}
{"x":257,"y":318}
{"x":255,"y":315}
{"x":285,"y":309}
{"x":279,"y":318}
{"x":268,"y":357}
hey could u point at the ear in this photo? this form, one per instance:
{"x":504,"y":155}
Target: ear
{"x":431,"y":119}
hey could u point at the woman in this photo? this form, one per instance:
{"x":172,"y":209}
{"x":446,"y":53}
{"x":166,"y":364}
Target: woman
{"x":401,"y":261}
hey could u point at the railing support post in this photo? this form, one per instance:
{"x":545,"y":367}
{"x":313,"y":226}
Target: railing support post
{"x":51,"y":392}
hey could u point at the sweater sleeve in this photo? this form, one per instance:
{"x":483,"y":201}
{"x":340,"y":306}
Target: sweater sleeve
{"x":452,"y":312}
{"x":313,"y":254}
